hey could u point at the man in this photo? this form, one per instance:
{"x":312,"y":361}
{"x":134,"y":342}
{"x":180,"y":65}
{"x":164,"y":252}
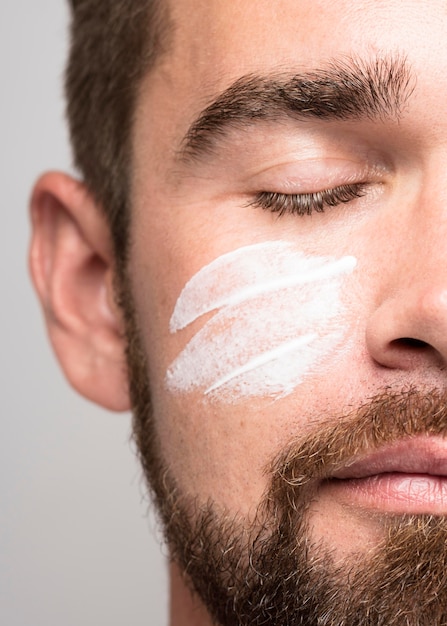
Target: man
{"x":255,"y":262}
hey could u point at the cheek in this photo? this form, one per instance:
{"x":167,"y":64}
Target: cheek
{"x":276,"y":320}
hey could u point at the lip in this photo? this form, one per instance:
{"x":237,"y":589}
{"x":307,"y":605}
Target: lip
{"x":406,"y":477}
{"x":418,"y":455}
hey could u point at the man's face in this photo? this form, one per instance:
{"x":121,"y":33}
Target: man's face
{"x":288,"y":253}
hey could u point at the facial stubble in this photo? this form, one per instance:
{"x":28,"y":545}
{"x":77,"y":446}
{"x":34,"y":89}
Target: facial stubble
{"x":270,"y":571}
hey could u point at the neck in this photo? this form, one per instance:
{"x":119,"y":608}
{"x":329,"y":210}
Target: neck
{"x":185,"y":608}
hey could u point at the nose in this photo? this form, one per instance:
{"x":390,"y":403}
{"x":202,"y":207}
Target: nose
{"x":407,"y":329}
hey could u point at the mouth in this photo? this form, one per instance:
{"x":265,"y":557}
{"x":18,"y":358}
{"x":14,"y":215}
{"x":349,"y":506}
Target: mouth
{"x":407,"y":477}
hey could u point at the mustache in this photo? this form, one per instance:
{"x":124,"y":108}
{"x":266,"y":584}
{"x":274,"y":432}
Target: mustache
{"x":386,"y":418}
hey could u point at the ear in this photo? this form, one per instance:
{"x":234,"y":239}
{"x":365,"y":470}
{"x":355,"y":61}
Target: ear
{"x":71,"y":262}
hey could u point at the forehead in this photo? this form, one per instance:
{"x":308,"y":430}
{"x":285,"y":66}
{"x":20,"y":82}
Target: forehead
{"x":216,"y":42}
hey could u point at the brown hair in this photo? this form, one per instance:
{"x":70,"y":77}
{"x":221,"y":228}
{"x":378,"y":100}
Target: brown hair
{"x":113,"y":44}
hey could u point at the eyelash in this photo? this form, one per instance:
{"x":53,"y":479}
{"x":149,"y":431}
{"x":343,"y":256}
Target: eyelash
{"x":307,"y":203}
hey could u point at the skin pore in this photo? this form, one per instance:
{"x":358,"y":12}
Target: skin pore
{"x":319,"y":126}
{"x":198,"y":210}
{"x":185,"y":217}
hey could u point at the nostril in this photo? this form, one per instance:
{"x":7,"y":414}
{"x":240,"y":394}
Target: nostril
{"x":410,"y":342}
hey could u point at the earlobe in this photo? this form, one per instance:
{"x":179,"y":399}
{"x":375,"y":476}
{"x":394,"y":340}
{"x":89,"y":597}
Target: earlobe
{"x":72,"y":266}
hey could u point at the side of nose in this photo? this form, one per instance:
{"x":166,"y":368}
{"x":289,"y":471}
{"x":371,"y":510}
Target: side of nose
{"x":407,"y":328}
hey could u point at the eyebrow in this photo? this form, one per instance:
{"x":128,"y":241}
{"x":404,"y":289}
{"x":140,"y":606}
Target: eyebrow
{"x":348,"y":89}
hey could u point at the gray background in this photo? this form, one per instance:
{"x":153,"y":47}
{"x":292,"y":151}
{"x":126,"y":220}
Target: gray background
{"x":77,"y":543}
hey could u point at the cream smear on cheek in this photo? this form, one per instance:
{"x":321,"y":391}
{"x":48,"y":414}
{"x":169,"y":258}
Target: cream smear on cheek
{"x":277,"y":319}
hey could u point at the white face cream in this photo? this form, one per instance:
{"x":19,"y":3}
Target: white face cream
{"x":277,"y":318}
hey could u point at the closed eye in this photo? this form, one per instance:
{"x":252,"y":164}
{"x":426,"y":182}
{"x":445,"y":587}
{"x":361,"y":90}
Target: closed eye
{"x":307,"y":203}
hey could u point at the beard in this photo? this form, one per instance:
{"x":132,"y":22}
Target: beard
{"x":270,"y":571}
